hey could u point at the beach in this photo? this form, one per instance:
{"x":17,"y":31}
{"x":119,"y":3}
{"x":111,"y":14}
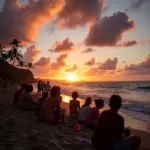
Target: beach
{"x":21,"y":130}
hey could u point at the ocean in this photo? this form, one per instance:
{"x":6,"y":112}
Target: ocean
{"x":135,"y":95}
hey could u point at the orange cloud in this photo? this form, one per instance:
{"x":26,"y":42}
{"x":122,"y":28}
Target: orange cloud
{"x":88,"y":50}
{"x":22,"y":21}
{"x":110,"y":30}
{"x":72,"y":69}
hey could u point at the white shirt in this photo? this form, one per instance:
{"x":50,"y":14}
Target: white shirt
{"x":83,"y":113}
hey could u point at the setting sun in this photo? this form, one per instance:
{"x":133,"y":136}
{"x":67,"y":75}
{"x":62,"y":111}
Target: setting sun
{"x":71,"y":76}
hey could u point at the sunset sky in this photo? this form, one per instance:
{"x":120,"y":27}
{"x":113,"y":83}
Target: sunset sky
{"x":98,"y":40}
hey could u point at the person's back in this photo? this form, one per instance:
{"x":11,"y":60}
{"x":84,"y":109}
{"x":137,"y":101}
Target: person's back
{"x":74,"y":105}
{"x":18,"y":93}
{"x":109,"y":129}
{"x":26,"y":101}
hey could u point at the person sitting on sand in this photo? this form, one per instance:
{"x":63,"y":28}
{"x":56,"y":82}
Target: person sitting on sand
{"x":74,"y":107}
{"x":85,"y":110}
{"x":92,"y":117}
{"x":50,"y":109}
{"x":108,"y":134}
{"x":26,"y":101}
{"x":44,"y":97}
{"x":18,"y":93}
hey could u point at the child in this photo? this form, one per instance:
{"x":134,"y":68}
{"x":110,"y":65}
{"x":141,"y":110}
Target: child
{"x":74,"y":106}
{"x":93,"y":115}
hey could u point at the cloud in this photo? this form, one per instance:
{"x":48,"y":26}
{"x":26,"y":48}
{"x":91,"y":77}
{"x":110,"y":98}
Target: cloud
{"x":110,"y":30}
{"x":91,"y":72}
{"x":43,"y":62}
{"x":141,"y":68}
{"x":127,"y":43}
{"x":72,"y":69}
{"x":79,"y":12}
{"x":22,"y":21}
{"x":60,"y":62}
{"x":88,"y":50}
{"x":64,"y":46}
{"x":31,"y":54}
{"x":91,"y":62}
{"x":109,"y":64}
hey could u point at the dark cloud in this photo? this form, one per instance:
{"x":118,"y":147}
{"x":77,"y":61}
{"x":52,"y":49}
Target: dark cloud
{"x":60,"y":62}
{"x":62,"y":46}
{"x":31,"y":54}
{"x":91,"y":62}
{"x":110,"y":30}
{"x":43,"y":62}
{"x":88,"y":50}
{"x":109,"y":64}
{"x":22,"y":21}
{"x":79,"y":12}
{"x":128,"y":43}
{"x":72,"y":69}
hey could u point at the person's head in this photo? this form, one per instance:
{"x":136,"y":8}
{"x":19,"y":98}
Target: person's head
{"x":44,"y":95}
{"x":23,"y":86}
{"x":29,"y":88}
{"x":74,"y":95}
{"x":88,"y":102}
{"x":99,"y":103}
{"x":55,"y":91}
{"x":115,"y":102}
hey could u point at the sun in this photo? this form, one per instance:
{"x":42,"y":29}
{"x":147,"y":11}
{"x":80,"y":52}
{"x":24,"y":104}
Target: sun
{"x":71,"y":76}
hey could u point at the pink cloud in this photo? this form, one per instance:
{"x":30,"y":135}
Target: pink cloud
{"x":110,"y":30}
{"x":109,"y":64}
{"x":127,"y":43}
{"x":140,"y":68}
{"x":91,"y":62}
{"x":60,"y":62}
{"x":43,"y":62}
{"x":88,"y":50}
{"x":79,"y":12}
{"x":63,"y":46}
{"x":31,"y":54}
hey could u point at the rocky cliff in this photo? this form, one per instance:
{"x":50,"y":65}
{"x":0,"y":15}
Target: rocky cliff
{"x":16,"y":74}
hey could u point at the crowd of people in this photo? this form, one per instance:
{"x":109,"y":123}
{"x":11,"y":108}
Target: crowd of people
{"x":108,"y":126}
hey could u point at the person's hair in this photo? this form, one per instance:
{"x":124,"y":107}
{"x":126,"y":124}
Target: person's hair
{"x":54,"y":91}
{"x":74,"y":94}
{"x":44,"y":95}
{"x":99,"y":103}
{"x":29,"y":88}
{"x":87,"y":102}
{"x":115,"y":101}
{"x":23,"y":86}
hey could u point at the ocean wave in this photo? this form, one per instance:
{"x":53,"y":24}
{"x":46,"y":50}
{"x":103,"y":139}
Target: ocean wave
{"x":144,"y":88}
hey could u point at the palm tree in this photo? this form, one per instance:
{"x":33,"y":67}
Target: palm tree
{"x":30,"y":65}
{"x":21,"y":63}
{"x":16,"y":43}
{"x":14,"y":54}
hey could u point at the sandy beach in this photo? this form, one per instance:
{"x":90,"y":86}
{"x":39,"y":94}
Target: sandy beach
{"x":21,"y":130}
